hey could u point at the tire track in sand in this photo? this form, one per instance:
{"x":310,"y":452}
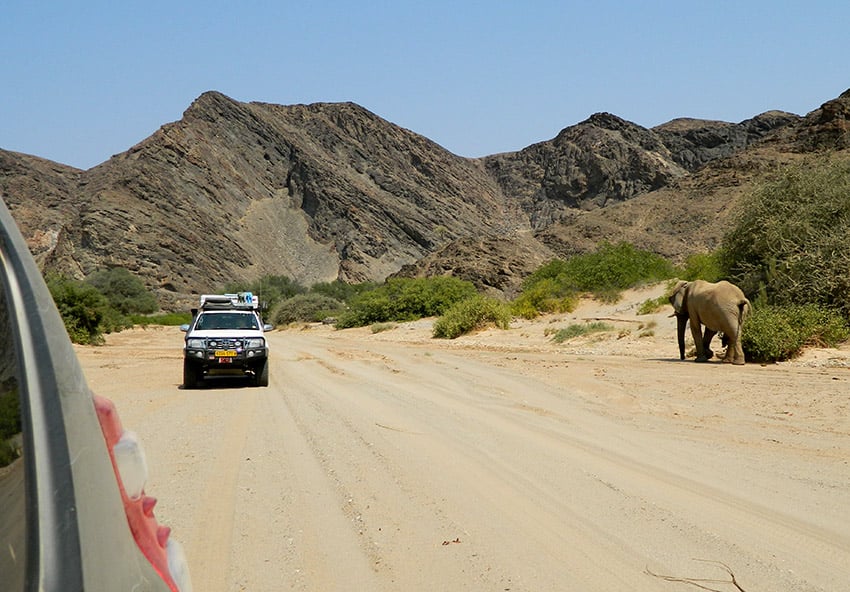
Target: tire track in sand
{"x":217,"y":504}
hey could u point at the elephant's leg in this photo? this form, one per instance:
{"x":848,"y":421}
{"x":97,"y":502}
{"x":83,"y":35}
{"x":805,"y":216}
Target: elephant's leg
{"x":735,"y":352}
{"x":696,"y":332}
{"x":739,"y":360}
{"x":681,"y":321}
{"x":707,"y":336}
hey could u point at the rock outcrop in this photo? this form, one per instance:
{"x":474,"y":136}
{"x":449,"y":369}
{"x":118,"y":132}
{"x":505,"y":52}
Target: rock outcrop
{"x":828,"y":127}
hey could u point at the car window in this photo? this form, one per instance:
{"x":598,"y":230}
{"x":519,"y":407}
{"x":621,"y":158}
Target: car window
{"x":214,"y":321}
{"x":13,"y":521}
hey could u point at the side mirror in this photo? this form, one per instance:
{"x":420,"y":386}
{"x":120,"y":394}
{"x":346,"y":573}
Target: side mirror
{"x":184,"y":328}
{"x":268,"y":327}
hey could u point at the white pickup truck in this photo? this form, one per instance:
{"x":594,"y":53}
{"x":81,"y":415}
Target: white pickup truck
{"x":225,"y":338}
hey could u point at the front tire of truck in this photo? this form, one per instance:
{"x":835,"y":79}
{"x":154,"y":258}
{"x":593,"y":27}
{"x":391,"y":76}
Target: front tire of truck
{"x":261,"y":374}
{"x":191,"y":375}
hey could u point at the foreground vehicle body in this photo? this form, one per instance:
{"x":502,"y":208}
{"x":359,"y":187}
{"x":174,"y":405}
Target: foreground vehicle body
{"x":73,"y":512}
{"x":226,"y":338}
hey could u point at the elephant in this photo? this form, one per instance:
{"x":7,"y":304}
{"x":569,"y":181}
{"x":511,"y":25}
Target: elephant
{"x":721,"y":307}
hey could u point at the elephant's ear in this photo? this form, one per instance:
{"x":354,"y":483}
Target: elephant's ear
{"x":679,"y":298}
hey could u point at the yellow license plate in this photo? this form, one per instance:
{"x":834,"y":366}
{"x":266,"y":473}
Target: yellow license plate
{"x":225,"y":353}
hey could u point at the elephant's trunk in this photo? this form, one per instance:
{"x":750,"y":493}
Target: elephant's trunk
{"x":681,"y":322}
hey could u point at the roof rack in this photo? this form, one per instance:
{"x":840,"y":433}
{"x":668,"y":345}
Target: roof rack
{"x":240,"y":301}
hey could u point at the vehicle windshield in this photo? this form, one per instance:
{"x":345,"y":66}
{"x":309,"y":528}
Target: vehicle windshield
{"x":227,"y":320}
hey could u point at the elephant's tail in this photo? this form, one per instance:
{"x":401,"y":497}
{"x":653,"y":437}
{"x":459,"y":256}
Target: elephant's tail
{"x":744,"y":309}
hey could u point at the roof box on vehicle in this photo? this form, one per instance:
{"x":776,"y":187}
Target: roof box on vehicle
{"x":240,"y":301}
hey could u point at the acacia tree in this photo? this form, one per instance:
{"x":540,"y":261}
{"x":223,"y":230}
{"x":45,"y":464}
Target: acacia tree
{"x":789,"y":244}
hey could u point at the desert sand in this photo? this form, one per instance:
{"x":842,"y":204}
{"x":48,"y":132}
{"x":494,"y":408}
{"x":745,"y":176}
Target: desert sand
{"x":497,"y":461}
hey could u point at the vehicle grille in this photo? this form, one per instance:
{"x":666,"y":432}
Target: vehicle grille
{"x":229,"y":343}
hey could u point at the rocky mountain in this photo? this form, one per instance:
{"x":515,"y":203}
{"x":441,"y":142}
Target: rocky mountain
{"x":686,"y":212}
{"x":235,"y":191}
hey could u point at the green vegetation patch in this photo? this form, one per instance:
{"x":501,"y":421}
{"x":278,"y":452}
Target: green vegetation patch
{"x":472,"y":314}
{"x":703,"y":266}
{"x":580,"y":329}
{"x":605,"y":273}
{"x":653,"y":305}
{"x":544,"y":296}
{"x":309,"y":308}
{"x":124,"y":291}
{"x":774,"y":333}
{"x":83,"y":309}
{"x":613,"y":267}
{"x":105,"y":302}
{"x":789,"y":242}
{"x":405,"y":299}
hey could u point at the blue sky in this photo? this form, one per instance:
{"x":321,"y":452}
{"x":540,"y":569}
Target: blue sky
{"x":85,"y":80}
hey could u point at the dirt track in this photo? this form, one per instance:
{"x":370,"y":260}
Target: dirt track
{"x":499,"y":461}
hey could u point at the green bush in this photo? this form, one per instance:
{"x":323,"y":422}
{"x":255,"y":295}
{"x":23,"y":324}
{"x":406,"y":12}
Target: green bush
{"x":405,"y":299}
{"x":773,"y":333}
{"x":544,"y":296}
{"x":113,"y":321}
{"x":471,"y":314}
{"x":309,"y":308}
{"x":107,"y":301}
{"x":82,"y":307}
{"x":616,"y":267}
{"x":653,"y":305}
{"x":555,"y":286}
{"x":789,"y":241}
{"x":703,"y":266}
{"x":124,"y":291}
{"x":577,"y":330}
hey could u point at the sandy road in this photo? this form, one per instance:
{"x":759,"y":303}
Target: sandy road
{"x":393,"y":462}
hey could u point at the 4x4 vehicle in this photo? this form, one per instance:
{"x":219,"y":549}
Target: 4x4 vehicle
{"x":74,"y":514}
{"x":226,"y":338}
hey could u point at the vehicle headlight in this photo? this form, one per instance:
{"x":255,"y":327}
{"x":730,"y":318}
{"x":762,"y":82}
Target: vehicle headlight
{"x":195,"y":343}
{"x":256,"y":343}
